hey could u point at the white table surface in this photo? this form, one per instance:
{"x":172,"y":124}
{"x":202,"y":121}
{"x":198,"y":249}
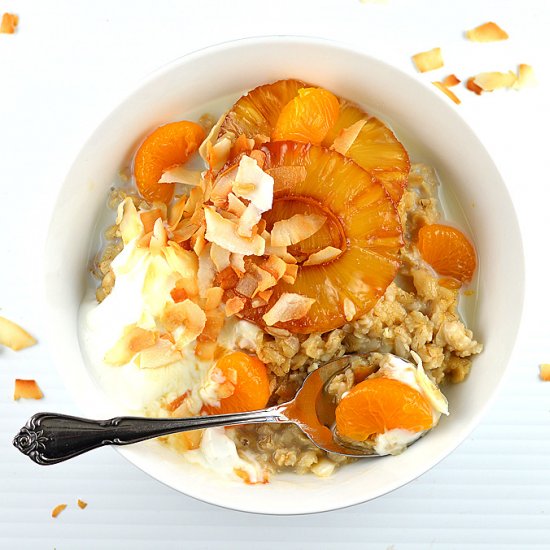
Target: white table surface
{"x":69,"y":64}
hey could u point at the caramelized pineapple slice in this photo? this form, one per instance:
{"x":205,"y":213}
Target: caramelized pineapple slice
{"x":361,"y":220}
{"x":256,"y":113}
{"x":374,"y":147}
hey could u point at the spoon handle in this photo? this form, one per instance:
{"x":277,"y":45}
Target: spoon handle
{"x":49,"y":438}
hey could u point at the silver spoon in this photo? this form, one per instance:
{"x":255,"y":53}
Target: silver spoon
{"x":49,"y":438}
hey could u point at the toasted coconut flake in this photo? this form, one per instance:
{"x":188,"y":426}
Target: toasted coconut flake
{"x":349,"y":309}
{"x":213,"y":298}
{"x":224,"y":233}
{"x":145,"y":241}
{"x":249,"y":220}
{"x":133,"y":340}
{"x":159,"y":238}
{"x":235,"y":205}
{"x":9,"y":23}
{"x":488,"y":32}
{"x":128,"y":220}
{"x":162,"y":354}
{"x":322,"y":256}
{"x":13,"y":336}
{"x":495,"y":80}
{"x":222,"y":187}
{"x":206,"y":271}
{"x":219,"y":153}
{"x":198,"y":216}
{"x":473,"y":87}
{"x":280,"y":332}
{"x":265,"y":278}
{"x":81,"y":504}
{"x":211,"y":138}
{"x":237,"y":262}
{"x":27,"y":389}
{"x":276,"y":266}
{"x":347,"y":136}
{"x":184,"y":231}
{"x":185,"y":264}
{"x":198,"y":240}
{"x":194,"y":201}
{"x":185,"y":320}
{"x":233,"y":306}
{"x":429,"y":60}
{"x":291,"y":273}
{"x":526,"y":77}
{"x":450,"y":81}
{"x":180,"y":174}
{"x":247,"y":285}
{"x":149,"y":218}
{"x":545,"y":372}
{"x":296,"y":229}
{"x":58,"y":509}
{"x":288,"y":307}
{"x":215,"y":319}
{"x":260,"y":185}
{"x":220,"y":256}
{"x":447,"y":92}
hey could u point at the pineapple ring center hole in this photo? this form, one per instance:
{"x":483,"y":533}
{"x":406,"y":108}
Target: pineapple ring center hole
{"x":331,"y":233}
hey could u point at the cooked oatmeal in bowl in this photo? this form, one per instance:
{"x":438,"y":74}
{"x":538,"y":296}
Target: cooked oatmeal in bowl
{"x":249,"y":251}
{"x":472,"y":198}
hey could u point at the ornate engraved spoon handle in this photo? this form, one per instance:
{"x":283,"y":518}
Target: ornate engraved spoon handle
{"x":48,"y":438}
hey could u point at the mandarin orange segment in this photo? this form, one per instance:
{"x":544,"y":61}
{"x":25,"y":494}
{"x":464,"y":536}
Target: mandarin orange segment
{"x":247,"y":377}
{"x":168,"y":146}
{"x":378,"y":405}
{"x":308,"y":117}
{"x":448,"y":251}
{"x":361,"y":220}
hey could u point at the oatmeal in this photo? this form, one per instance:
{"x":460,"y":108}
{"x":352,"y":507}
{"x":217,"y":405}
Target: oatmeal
{"x":305,"y":238}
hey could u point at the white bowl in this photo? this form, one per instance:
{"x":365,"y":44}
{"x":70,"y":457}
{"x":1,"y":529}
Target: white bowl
{"x":475,"y":195}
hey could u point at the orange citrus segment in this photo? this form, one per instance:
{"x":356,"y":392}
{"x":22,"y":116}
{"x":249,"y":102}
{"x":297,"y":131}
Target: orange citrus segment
{"x":247,"y":379}
{"x":167,"y":146}
{"x":448,"y":251}
{"x":308,"y":117}
{"x":361,"y":220}
{"x":378,"y":405}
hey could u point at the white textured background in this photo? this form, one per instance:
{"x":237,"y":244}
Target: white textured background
{"x":69,"y":64}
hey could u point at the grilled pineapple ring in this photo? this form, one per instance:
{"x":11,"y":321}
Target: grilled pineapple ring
{"x":369,"y":142}
{"x":362,"y":221}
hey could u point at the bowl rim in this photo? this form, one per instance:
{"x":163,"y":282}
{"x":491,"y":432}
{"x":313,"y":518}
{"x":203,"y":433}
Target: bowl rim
{"x":133,"y":455}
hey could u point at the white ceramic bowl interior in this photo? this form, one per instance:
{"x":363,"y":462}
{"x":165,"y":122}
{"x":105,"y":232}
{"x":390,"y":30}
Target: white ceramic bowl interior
{"x":475,"y":198}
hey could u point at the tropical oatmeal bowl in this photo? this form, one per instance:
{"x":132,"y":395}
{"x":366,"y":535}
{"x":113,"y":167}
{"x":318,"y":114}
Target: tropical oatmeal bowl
{"x":242,"y":237}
